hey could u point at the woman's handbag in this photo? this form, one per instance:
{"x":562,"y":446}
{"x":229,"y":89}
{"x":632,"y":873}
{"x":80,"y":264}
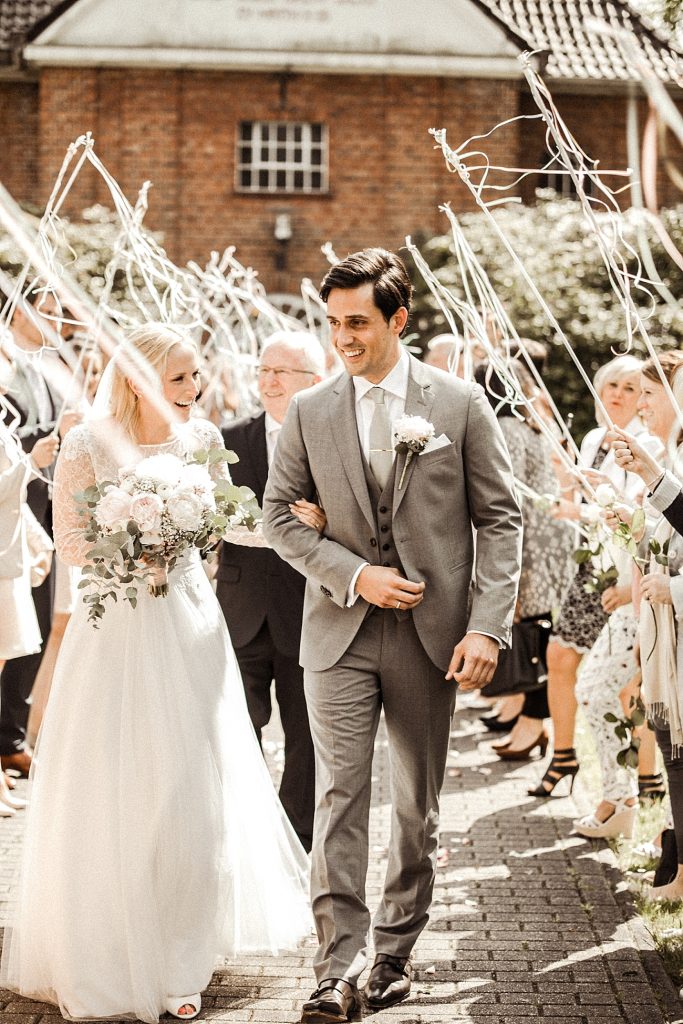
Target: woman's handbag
{"x":522,"y":667}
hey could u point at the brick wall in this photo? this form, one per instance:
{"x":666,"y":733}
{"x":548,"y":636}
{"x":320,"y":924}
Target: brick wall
{"x":178,"y":129}
{"x":19,"y":133}
{"x":598,"y":123}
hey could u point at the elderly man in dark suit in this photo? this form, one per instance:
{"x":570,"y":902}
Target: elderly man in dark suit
{"x":261,"y":595}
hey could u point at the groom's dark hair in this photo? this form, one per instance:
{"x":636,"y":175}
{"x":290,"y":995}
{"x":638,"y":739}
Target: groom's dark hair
{"x":383,"y":269}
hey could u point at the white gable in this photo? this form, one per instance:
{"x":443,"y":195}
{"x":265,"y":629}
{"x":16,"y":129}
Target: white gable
{"x":404,"y":36}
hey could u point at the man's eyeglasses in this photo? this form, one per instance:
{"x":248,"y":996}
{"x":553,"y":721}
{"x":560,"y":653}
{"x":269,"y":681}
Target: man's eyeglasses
{"x":281,"y":371}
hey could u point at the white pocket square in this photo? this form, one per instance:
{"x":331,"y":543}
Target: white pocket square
{"x":434,"y":443}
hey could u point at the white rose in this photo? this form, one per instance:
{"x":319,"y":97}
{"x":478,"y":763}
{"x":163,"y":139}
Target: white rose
{"x":197,"y":480}
{"x":113,"y":510}
{"x":145,"y":510}
{"x":186,"y":511}
{"x":164,"y":490}
{"x":413,"y":428}
{"x":604,"y":495}
{"x":160,"y":469}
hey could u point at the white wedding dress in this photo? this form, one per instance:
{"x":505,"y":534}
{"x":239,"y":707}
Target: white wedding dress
{"x":155,"y":841}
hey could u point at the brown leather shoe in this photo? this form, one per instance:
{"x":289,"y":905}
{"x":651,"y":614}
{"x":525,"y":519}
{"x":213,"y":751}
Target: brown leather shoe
{"x":19,"y":762}
{"x":333,"y":1002}
{"x":389,"y":981}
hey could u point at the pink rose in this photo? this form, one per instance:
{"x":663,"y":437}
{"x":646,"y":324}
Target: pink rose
{"x":145,"y":510}
{"x":113,"y":510}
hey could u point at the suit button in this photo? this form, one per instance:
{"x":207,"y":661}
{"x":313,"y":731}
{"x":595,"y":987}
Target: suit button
{"x":373,"y":542}
{"x":384,"y":529}
{"x":386,"y":547}
{"x":383,"y":509}
{"x":386,"y":564}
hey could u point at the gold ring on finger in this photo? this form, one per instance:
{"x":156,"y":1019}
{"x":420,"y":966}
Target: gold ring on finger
{"x":398,"y":604}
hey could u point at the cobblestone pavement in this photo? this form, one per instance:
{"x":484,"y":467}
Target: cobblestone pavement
{"x":528,"y":922}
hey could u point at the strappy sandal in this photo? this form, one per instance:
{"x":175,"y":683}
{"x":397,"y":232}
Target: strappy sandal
{"x":651,"y":787}
{"x":559,"y":768}
{"x":174,"y":1005}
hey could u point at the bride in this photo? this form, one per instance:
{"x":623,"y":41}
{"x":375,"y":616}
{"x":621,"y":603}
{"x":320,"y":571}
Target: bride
{"x":155,"y":842}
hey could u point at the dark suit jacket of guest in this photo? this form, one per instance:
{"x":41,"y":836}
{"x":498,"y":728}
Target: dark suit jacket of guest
{"x":255,"y":584}
{"x":674,"y":513}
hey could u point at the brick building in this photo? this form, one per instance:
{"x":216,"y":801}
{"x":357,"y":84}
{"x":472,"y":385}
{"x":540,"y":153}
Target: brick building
{"x":275,"y":125}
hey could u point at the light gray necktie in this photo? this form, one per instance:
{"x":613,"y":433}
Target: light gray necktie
{"x":380,"y":438}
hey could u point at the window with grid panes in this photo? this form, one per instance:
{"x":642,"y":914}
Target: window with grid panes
{"x":554,"y":178}
{"x":281,"y":156}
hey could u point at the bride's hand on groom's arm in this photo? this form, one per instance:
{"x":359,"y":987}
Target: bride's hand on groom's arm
{"x":474,"y":661}
{"x":386,"y":588}
{"x":310,"y":514}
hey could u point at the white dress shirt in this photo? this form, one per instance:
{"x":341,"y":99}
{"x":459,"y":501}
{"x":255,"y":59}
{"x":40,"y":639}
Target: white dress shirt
{"x":273,"y":429}
{"x":395,"y":386}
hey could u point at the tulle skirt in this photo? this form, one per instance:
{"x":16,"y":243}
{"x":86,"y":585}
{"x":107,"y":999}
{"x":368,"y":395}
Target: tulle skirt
{"x":155,"y":841}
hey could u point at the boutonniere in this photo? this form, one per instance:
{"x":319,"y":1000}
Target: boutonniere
{"x":411,"y":434}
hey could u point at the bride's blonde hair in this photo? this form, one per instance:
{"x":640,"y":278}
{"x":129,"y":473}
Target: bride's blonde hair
{"x":142,"y":363}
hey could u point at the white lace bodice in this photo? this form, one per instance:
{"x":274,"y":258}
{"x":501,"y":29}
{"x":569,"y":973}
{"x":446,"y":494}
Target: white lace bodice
{"x":95,"y":452}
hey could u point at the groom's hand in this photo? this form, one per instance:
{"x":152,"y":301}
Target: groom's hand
{"x":387,"y":588}
{"x":474,"y":661}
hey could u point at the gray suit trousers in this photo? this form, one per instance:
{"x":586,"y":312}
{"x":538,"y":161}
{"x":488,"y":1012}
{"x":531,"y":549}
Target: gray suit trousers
{"x":385,"y":667}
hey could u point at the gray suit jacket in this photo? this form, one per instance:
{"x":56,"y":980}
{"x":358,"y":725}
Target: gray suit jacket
{"x":446,"y":492}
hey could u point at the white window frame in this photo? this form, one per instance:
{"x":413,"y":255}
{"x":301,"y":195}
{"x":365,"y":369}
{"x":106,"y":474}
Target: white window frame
{"x":270,"y":157}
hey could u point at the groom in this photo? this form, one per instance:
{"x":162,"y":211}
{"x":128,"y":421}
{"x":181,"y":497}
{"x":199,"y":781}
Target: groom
{"x":387,"y":622}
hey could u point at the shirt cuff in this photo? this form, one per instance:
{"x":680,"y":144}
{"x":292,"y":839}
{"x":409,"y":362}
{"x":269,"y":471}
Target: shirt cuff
{"x":483,"y":632}
{"x":351,"y":595}
{"x":665,"y":492}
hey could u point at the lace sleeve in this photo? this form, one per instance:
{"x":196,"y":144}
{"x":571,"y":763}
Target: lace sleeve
{"x":73,"y":473}
{"x":209,"y":436}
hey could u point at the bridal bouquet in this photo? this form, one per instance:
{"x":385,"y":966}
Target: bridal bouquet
{"x":155,"y":512}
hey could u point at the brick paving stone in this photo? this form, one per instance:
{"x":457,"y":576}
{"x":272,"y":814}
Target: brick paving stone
{"x":523,"y":924}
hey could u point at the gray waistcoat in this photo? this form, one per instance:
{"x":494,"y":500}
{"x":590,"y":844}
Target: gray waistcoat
{"x":383,"y":505}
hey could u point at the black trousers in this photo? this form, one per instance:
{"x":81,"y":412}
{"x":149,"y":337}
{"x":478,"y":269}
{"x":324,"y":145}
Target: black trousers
{"x":536,"y":703}
{"x":260,"y":663}
{"x":19,"y":674}
{"x":674,"y":771}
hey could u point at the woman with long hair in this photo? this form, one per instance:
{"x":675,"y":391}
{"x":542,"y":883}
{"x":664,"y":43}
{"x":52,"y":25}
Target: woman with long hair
{"x":155,"y":841}
{"x":661,"y":609}
{"x":607,"y":679}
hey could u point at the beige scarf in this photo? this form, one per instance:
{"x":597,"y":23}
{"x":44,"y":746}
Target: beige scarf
{"x":661,"y":692}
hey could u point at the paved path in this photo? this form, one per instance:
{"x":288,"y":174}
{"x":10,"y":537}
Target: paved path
{"x":528,"y":922}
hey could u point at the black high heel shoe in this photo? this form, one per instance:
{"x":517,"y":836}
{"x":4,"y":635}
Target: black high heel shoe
{"x":494,"y":724}
{"x":651,"y":787}
{"x":558,"y":769}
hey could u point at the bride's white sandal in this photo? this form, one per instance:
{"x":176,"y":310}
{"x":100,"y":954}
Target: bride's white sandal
{"x":174,"y":1004}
